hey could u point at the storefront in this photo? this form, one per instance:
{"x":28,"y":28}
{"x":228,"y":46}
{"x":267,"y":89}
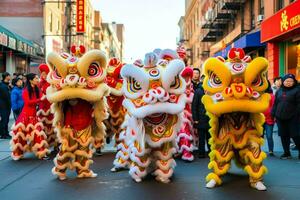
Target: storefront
{"x":282,"y":34}
{"x":250,"y":42}
{"x":17,"y":53}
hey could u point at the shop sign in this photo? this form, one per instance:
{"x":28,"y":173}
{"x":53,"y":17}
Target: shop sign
{"x":3,"y":39}
{"x":22,"y":46}
{"x":12,"y":43}
{"x":282,"y":22}
{"x":80,"y":16}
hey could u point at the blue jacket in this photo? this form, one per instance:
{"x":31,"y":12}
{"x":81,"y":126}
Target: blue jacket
{"x":16,"y":98}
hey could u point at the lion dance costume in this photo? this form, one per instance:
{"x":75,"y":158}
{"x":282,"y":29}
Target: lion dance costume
{"x":186,"y":134}
{"x":154,"y":100}
{"x":44,"y":113}
{"x":28,"y":132}
{"x":116,"y":114}
{"x":76,"y":90}
{"x":235,"y":100}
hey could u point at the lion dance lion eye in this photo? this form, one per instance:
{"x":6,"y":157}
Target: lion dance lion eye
{"x":95,"y":70}
{"x":215,"y":80}
{"x":257,"y":81}
{"x":55,"y":73}
{"x":176,"y":83}
{"x":133,"y":85}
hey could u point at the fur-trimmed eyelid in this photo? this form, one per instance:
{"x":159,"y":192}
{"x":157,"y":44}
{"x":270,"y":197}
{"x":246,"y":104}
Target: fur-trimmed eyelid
{"x":176,"y":82}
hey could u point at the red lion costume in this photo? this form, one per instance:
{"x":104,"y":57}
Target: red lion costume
{"x":44,"y":113}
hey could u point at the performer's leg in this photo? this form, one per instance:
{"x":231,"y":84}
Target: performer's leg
{"x":83,"y":153}
{"x":207,"y":138}
{"x":18,"y":143}
{"x":39,"y":143}
{"x":165,"y":162}
{"x":65,"y":156}
{"x":220,"y":157}
{"x":83,"y":159}
{"x":201,"y":147}
{"x":185,"y":145}
{"x":140,"y":161}
{"x":122,"y":157}
{"x":252,"y":157}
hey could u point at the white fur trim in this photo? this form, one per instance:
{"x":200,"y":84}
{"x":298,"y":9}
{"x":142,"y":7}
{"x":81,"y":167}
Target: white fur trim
{"x":163,"y":175}
{"x":185,"y":136}
{"x":138,"y":161}
{"x":190,"y":158}
{"x":142,"y":112}
{"x":161,"y":156}
{"x":82,"y":167}
{"x":170,"y":164}
{"x":168,"y":52}
{"x":135,"y":172}
{"x":184,"y":147}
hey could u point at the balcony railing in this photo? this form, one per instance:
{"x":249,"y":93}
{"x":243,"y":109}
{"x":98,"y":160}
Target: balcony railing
{"x":211,"y":35}
{"x":231,"y":4}
{"x":220,"y":13}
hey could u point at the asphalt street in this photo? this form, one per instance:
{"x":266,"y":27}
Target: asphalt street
{"x":30,"y":179}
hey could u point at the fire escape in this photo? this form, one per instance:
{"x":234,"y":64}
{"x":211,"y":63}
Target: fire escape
{"x":218,"y":18}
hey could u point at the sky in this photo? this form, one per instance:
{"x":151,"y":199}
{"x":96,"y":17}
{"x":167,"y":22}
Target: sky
{"x":148,"y":24}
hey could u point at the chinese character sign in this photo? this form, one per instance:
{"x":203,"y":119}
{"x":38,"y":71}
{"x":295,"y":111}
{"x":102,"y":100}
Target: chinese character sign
{"x":80,"y":16}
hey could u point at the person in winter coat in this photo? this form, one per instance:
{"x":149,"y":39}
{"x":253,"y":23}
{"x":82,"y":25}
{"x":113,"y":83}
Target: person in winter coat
{"x":5,"y":105}
{"x":17,"y":102}
{"x":196,"y":78}
{"x":201,"y":121}
{"x":286,"y":110}
{"x":269,"y":123}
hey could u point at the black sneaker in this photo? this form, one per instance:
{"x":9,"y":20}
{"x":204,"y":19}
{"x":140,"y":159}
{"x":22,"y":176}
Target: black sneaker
{"x":46,"y":157}
{"x":285,"y":156}
{"x":98,"y":152}
{"x":271,"y":153}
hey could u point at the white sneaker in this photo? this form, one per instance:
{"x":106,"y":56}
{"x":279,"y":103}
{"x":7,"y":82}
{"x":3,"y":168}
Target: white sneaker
{"x":211,"y":184}
{"x":138,"y":180}
{"x":113,"y":169}
{"x":259,"y":186}
{"x":62,"y":178}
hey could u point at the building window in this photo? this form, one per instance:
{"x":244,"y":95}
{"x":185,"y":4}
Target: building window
{"x":261,"y":7}
{"x":280,"y":4}
{"x":252,"y":14}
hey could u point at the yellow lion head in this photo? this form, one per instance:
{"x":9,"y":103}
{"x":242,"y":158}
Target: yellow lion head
{"x":236,"y":84}
{"x":77,"y":75}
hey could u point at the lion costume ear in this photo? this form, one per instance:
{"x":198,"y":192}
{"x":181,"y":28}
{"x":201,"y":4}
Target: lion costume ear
{"x":93,"y":65}
{"x":58,"y":64}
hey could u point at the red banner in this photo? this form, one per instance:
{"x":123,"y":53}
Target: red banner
{"x":80,"y":16}
{"x":284,"y":21}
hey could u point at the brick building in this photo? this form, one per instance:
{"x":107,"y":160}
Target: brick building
{"x":213,"y":27}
